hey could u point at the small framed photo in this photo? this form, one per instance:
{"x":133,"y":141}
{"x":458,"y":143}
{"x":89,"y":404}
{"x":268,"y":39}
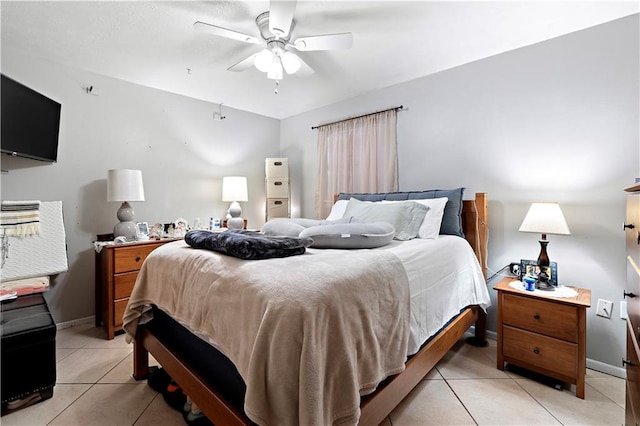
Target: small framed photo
{"x":142,"y":228}
{"x":530,"y":267}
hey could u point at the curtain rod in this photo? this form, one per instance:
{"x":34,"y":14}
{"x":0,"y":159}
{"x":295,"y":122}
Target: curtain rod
{"x":398,"y":108}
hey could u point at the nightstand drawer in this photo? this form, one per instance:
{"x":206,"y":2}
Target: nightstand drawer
{"x":131,"y":258}
{"x":123,"y":284}
{"x":540,"y":351}
{"x":537,"y":315}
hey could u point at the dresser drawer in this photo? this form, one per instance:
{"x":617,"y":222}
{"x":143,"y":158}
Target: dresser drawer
{"x":537,"y":315}
{"x":541,"y":351}
{"x":131,"y":258}
{"x":119,"y":306}
{"x":123,"y":284}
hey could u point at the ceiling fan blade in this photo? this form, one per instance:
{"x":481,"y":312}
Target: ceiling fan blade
{"x":281,"y":16}
{"x":244,"y":64}
{"x":225,"y":32}
{"x":305,"y":69}
{"x":324,"y":42}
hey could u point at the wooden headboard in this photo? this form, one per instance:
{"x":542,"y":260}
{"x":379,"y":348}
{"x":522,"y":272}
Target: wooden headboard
{"x":475,"y":226}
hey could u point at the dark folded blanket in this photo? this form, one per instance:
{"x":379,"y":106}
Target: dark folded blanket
{"x":247,"y":244}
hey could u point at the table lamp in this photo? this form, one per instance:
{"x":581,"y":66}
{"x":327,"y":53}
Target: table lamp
{"x":544,"y":218}
{"x":125,"y":185}
{"x":234,"y":189}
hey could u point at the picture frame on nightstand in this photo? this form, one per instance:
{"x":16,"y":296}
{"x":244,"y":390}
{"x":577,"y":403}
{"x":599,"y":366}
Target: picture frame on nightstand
{"x":142,"y":228}
{"x":530,"y":267}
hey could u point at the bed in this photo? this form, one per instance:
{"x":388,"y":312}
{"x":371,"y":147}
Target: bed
{"x":231,"y":396}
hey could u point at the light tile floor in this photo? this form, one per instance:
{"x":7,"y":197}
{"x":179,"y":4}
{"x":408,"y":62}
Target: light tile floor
{"x":94,"y":387}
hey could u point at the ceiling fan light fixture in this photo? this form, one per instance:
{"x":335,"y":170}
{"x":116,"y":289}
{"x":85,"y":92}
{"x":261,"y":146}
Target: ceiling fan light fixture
{"x":263,"y":60}
{"x":290,"y":62}
{"x":275,"y":71}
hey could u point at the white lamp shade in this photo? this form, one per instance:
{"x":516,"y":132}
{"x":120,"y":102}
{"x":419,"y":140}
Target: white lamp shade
{"x":234,"y":188}
{"x":290,"y":62}
{"x":124,"y":185}
{"x":263,"y":60}
{"x":545,"y":218}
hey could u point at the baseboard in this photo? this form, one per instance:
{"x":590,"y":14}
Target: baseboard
{"x":606,"y":368}
{"x":76,"y":322}
{"x":490,"y":334}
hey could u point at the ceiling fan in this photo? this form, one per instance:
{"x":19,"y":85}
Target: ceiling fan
{"x":275,"y":27}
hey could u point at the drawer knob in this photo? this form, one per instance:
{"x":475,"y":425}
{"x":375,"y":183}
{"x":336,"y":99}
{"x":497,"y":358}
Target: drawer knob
{"x":629,"y":295}
{"x":625,"y":363}
{"x":138,"y":258}
{"x":627,"y":226}
{"x":536,"y":316}
{"x":536,"y":351}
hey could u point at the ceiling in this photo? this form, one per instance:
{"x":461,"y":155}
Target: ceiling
{"x":154,"y":43}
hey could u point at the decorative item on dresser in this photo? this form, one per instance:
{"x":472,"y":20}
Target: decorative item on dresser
{"x":116,"y":270}
{"x":544,"y":218}
{"x":234,"y":189}
{"x":543,"y":332}
{"x":632,"y":297}
{"x":125,"y":185}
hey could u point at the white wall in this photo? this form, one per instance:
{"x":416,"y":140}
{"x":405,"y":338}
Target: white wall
{"x":556,"y":121}
{"x":182,"y":152}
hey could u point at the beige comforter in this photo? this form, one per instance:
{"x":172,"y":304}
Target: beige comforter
{"x":309,"y":334}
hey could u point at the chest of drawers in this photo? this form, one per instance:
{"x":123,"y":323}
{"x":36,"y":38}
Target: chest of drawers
{"x":631,"y":362}
{"x":543,"y":333}
{"x":117,"y":268}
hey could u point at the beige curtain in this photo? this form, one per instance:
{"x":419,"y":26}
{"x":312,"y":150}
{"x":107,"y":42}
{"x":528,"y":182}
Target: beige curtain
{"x":358,"y":155}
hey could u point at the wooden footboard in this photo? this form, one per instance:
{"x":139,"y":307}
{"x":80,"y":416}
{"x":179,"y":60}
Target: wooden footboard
{"x":389,"y":394}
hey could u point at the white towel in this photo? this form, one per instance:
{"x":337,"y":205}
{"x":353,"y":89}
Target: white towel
{"x":20,"y":218}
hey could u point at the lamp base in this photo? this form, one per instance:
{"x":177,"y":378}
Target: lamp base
{"x":126,"y":228}
{"x":542,"y":283}
{"x":235,"y":221}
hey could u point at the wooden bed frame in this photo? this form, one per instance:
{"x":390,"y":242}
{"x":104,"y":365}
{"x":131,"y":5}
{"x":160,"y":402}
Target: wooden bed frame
{"x":374,"y":407}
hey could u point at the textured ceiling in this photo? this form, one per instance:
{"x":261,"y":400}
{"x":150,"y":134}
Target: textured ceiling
{"x":154,"y":44}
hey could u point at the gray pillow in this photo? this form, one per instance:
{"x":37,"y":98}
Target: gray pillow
{"x":452,"y":218}
{"x":405,"y":217}
{"x":350,"y":235}
{"x":292,"y":227}
{"x":287,"y":227}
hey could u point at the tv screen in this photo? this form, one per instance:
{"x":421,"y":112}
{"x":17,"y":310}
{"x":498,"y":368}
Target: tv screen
{"x":30,"y":122}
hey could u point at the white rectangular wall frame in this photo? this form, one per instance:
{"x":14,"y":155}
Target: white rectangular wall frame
{"x":277,"y":188}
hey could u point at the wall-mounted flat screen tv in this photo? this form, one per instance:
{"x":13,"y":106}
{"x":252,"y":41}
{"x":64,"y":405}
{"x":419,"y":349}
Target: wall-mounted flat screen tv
{"x":30,"y":122}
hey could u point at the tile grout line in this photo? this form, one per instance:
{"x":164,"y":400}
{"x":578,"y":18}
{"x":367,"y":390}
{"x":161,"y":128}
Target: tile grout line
{"x":72,"y":402}
{"x":456,"y":395}
{"x":536,"y":400}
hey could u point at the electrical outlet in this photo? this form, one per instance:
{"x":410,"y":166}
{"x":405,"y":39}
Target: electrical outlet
{"x":623,"y":310}
{"x":604,"y":308}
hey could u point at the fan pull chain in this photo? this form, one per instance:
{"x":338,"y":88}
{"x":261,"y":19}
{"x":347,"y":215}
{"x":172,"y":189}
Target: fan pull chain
{"x":276,"y":89}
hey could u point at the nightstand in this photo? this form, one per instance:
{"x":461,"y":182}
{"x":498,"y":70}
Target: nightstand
{"x":117,"y":267}
{"x":543,"y":333}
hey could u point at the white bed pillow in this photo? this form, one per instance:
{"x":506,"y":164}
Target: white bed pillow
{"x":405,"y":216}
{"x":337,"y":210}
{"x":432,"y":222}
